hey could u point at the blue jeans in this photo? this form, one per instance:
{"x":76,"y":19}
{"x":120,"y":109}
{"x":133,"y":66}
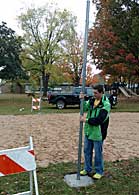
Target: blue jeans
{"x":97,"y":146}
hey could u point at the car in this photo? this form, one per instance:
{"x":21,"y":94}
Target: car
{"x":62,"y":98}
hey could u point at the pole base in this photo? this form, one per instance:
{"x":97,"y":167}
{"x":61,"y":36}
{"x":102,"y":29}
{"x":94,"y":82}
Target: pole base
{"x":71,"y":180}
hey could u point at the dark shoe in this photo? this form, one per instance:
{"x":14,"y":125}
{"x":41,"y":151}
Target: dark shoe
{"x":90,"y":174}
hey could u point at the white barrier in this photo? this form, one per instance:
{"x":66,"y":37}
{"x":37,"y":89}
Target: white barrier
{"x":36,"y":104}
{"x":19,"y":160}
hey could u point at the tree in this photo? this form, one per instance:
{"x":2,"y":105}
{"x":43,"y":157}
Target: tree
{"x":126,"y":13}
{"x":73,"y":60}
{"x":10,"y":49}
{"x":102,"y":40}
{"x":46,"y":29}
{"x":89,"y":75}
{"x":59,"y":75}
{"x":114,"y":41}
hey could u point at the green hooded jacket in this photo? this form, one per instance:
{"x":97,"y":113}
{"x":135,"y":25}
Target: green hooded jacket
{"x":94,"y":131}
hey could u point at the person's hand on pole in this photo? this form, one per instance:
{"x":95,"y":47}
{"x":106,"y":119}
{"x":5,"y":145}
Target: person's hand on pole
{"x":83,"y":118}
{"x":82,"y":95}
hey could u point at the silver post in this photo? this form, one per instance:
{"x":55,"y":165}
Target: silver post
{"x":83,"y":85}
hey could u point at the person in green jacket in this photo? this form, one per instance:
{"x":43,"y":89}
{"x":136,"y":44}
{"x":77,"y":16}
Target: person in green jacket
{"x":95,"y":131}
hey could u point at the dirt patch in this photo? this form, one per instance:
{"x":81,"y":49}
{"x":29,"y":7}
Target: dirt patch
{"x":55,"y":136}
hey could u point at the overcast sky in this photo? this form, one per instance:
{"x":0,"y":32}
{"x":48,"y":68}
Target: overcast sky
{"x":9,"y":9}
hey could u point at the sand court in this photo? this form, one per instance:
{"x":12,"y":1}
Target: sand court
{"x":55,"y":136}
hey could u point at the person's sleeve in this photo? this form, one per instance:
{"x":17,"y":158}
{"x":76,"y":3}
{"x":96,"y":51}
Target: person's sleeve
{"x":99,"y":119}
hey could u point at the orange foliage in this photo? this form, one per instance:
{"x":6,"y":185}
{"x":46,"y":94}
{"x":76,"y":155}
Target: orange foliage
{"x":121,"y":68}
{"x":95,"y":80}
{"x":89,"y":75}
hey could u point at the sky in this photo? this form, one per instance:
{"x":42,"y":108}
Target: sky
{"x":10,"y":9}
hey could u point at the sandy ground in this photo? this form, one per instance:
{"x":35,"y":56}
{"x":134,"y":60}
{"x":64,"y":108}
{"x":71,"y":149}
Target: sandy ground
{"x":55,"y":136}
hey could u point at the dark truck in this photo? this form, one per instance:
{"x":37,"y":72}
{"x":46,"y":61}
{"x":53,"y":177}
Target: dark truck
{"x":63,"y":98}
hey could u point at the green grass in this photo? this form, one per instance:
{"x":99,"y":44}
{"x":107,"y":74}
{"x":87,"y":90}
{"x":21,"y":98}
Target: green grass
{"x":127,"y":105}
{"x":121,"y":178}
{"x":11,"y":104}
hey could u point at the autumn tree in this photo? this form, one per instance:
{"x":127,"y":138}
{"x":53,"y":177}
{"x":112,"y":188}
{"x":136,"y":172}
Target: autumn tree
{"x":46,"y":30}
{"x":102,"y":40}
{"x":73,"y":59}
{"x":89,"y":75}
{"x":113,"y":40}
{"x":60,"y":73}
{"x":125,"y":24}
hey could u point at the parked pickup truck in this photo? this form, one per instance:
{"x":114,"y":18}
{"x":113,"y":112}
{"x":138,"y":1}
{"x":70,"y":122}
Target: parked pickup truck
{"x":61,"y":99}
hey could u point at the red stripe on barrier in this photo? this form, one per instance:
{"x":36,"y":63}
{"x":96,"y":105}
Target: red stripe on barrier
{"x":36,"y":100}
{"x":8,"y":166}
{"x":31,"y":152}
{"x":36,"y":107}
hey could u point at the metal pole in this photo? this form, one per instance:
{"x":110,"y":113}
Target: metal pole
{"x":83,"y":86}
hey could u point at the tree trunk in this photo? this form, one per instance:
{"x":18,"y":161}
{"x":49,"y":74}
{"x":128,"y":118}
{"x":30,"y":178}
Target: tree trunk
{"x":45,"y":83}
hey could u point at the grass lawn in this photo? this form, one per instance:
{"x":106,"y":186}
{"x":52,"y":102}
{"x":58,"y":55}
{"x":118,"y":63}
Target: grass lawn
{"x":121,"y":178}
{"x":12,"y":103}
